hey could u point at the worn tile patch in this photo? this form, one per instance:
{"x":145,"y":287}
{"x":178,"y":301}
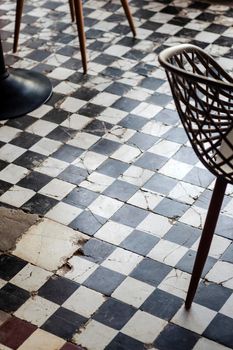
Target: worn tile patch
{"x":14,"y":223}
{"x":49,"y":244}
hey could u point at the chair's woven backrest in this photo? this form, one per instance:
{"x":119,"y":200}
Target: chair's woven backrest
{"x":203,"y":94}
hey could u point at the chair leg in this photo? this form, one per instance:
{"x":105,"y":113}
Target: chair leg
{"x":71,"y":5}
{"x":129,"y":16}
{"x":206,"y":238}
{"x":80,"y":26}
{"x":19,"y":10}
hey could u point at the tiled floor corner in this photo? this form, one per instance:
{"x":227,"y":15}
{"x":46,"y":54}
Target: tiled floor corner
{"x":120,"y":195}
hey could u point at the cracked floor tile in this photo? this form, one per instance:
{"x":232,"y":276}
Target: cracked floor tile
{"x":49,"y":244}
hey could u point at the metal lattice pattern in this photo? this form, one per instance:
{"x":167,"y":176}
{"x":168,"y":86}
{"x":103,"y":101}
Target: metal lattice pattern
{"x":203,"y":94}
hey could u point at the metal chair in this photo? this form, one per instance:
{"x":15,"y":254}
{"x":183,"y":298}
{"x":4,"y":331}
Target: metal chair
{"x":203,"y":95}
{"x":76,"y":10}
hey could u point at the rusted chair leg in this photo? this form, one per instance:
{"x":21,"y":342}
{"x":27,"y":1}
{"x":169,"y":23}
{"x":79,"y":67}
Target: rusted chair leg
{"x":206,"y":238}
{"x":129,"y":16}
{"x":19,"y":10}
{"x":81,"y":33}
{"x":71,"y":5}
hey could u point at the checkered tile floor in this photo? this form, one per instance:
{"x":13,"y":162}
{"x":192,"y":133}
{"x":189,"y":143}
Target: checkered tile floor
{"x":107,"y":157}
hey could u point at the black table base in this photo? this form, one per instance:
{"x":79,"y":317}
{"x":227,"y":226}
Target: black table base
{"x":22,"y":91}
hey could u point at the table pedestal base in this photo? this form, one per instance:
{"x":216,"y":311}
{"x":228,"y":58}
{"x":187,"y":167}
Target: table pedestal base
{"x":22,"y":91}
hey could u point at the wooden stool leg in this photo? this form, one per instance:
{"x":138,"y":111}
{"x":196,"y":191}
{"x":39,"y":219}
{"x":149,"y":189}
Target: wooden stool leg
{"x":206,"y":238}
{"x":80,"y":26}
{"x":71,"y":5}
{"x":19,"y":10}
{"x":129,"y":16}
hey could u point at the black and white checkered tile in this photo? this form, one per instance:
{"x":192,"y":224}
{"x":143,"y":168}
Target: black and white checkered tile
{"x":107,"y":156}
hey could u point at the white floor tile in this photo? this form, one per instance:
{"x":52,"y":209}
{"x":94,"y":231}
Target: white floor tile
{"x":122,"y":261}
{"x":176,"y":282}
{"x":41,"y":127}
{"x":57,"y":189}
{"x":196,"y":319}
{"x":194,"y":216}
{"x":95,"y":336}
{"x":126,"y":153}
{"x":97,"y":182}
{"x":167,"y":252}
{"x":165,"y":148}
{"x":46,"y":146}
{"x":175,"y":169}
{"x":144,"y":327}
{"x":206,"y":344}
{"x":218,"y":246}
{"x":155,"y":224}
{"x":133,"y":292}
{"x":31,"y":278}
{"x":17,"y":196}
{"x":136,"y":175}
{"x":145,"y":200}
{"x":13,"y":173}
{"x":52,"y":167}
{"x":80,"y":269}
{"x":48,"y":244}
{"x":90,"y":160}
{"x":10,"y":152}
{"x":76,"y":122}
{"x":185,"y":192}
{"x":41,"y":339}
{"x":36,"y":310}
{"x":227,"y":308}
{"x":63,"y":213}
{"x":113,"y":232}
{"x":84,"y":301}
{"x":221,"y":272}
{"x":105,"y":206}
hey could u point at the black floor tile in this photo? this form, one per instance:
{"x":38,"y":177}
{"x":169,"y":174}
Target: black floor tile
{"x":35,"y":181}
{"x":12,"y":297}
{"x":39,"y":204}
{"x":10,"y":266}
{"x":80,"y":197}
{"x":87,"y":223}
{"x":139,"y":242}
{"x":176,"y":338}
{"x":151,"y":272}
{"x":104,"y":281}
{"x":114,"y":313}
{"x":121,"y":190}
{"x":162,"y":304}
{"x":183,"y":234}
{"x":124,"y":342}
{"x":220,"y":330}
{"x":97,"y":251}
{"x":64,"y":323}
{"x":112,"y":167}
{"x":129,"y":215}
{"x":186,"y":263}
{"x":212,"y":296}
{"x":58,"y":289}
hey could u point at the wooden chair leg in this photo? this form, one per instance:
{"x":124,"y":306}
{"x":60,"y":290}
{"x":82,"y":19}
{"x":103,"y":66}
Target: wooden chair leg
{"x":128,"y":15}
{"x":81,"y":33}
{"x":19,"y":10}
{"x":71,"y":5}
{"x":206,"y":238}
